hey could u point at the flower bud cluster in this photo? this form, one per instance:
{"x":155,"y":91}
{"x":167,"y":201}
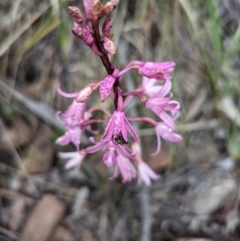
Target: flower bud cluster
{"x":120,"y":142}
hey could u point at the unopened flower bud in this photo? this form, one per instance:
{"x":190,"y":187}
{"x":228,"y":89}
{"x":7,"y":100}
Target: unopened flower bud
{"x":77,"y":31}
{"x":106,"y":28}
{"x":109,"y":46}
{"x":76,"y":13}
{"x":83,"y":33}
{"x":97,"y":10}
{"x":88,"y":8}
{"x":86,"y":92}
{"x":110,"y":6}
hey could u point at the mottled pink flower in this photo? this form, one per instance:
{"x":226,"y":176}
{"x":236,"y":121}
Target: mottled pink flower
{"x":106,"y":84}
{"x":145,"y":173}
{"x":74,"y":158}
{"x":160,"y":104}
{"x":119,"y":125}
{"x":72,"y":118}
{"x":116,"y":133}
{"x":74,"y":115}
{"x":165,"y":132}
{"x":125,"y":168}
{"x":159,"y":71}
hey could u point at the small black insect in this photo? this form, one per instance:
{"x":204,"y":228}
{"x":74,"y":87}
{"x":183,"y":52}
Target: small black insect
{"x":120,"y":140}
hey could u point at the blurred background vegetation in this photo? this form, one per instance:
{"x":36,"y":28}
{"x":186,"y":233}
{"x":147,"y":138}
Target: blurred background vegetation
{"x":37,"y":51}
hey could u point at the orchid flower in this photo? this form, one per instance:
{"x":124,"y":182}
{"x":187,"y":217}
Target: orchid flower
{"x":125,"y":168}
{"x":160,"y":104}
{"x":160,"y":71}
{"x":145,"y":173}
{"x":165,"y":132}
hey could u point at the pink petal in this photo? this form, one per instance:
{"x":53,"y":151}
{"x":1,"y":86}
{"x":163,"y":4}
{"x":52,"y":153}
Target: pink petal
{"x":76,"y":136}
{"x":158,"y":101}
{"x":160,"y":71}
{"x":110,"y":156}
{"x":118,"y":126}
{"x":158,"y":145}
{"x":172,"y":106}
{"x":97,"y":147}
{"x":64,"y":140}
{"x":124,"y":152}
{"x":167,"y":119}
{"x":173,"y":137}
{"x":107,"y":26}
{"x":65,"y":94}
{"x":88,"y":8}
{"x":165,"y":89}
{"x":109,"y":129}
{"x":126,"y":168}
{"x":105,"y":87}
{"x":131,"y":129}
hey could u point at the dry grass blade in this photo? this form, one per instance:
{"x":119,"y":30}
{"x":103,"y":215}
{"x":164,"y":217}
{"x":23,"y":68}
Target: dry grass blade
{"x":40,"y":33}
{"x":39,"y":108}
{"x":12,"y":37}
